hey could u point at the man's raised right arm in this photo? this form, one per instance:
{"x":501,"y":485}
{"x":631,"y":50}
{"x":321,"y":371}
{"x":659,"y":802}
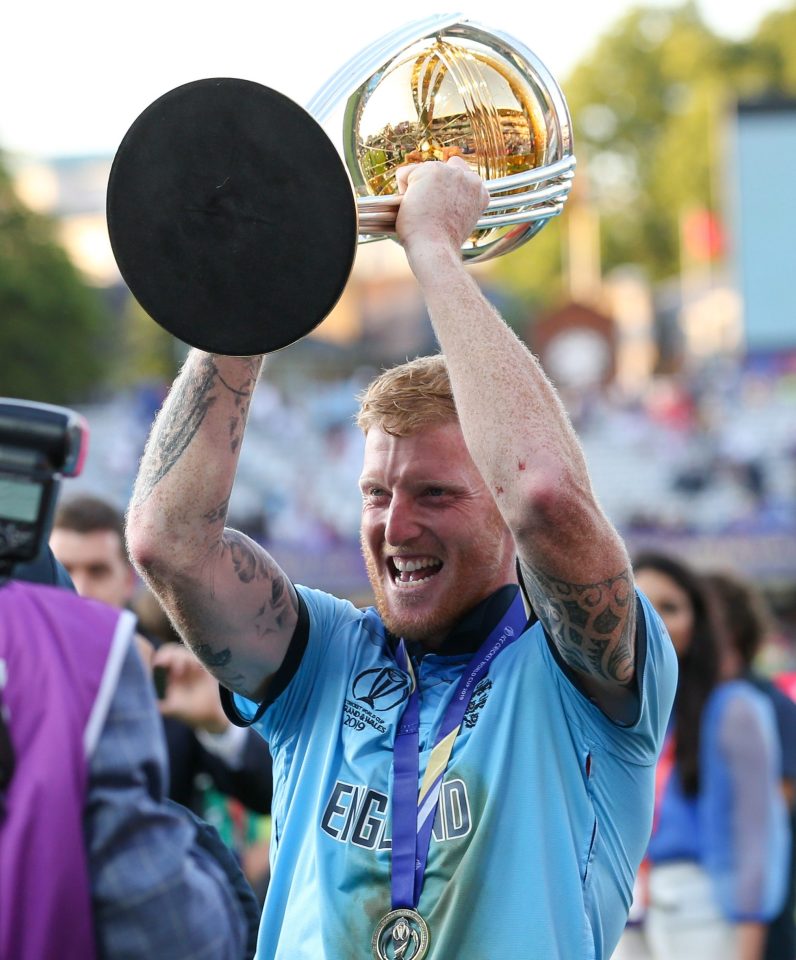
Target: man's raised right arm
{"x":230,"y":601}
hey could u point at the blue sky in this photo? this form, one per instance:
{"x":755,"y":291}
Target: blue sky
{"x":75,"y":75}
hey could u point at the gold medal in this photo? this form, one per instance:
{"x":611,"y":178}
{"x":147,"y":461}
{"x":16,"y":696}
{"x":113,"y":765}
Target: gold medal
{"x":400,"y":935}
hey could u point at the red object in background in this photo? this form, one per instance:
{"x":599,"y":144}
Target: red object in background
{"x":702,"y":236}
{"x":787,"y":683}
{"x":671,"y":404}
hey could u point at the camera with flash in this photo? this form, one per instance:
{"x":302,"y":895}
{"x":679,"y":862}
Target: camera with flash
{"x":39,"y":444}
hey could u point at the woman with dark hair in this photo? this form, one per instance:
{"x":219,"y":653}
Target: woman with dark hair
{"x":720,"y":839}
{"x":682,"y":602}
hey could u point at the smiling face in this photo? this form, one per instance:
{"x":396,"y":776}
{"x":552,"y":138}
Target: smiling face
{"x":433,"y":540}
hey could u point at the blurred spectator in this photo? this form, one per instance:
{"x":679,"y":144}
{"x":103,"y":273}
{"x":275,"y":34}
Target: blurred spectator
{"x":713,"y":448}
{"x":717,"y":859}
{"x":745,"y":620}
{"x":190,"y":694}
{"x":88,"y":538}
{"x":94,"y":860}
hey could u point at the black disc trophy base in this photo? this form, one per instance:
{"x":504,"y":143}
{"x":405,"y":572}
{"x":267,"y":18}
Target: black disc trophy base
{"x":231,"y":217}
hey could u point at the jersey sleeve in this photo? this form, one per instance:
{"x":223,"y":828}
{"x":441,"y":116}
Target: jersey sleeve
{"x":639,"y":741}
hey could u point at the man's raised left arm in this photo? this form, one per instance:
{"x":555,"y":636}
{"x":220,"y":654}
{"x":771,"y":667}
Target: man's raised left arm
{"x":574,"y":563}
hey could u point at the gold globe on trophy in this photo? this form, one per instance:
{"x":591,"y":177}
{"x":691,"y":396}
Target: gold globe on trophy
{"x":446,"y":87}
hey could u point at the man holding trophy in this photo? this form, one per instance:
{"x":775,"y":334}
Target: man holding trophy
{"x":466,"y":769}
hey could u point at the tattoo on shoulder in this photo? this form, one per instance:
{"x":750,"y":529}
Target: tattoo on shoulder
{"x":592,"y":624}
{"x":217,"y":662}
{"x":212,"y":658}
{"x":279,"y":602}
{"x":251,"y":564}
{"x":247,"y":561}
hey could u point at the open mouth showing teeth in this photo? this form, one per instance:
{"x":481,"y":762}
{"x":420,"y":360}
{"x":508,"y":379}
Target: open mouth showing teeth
{"x":414,"y":571}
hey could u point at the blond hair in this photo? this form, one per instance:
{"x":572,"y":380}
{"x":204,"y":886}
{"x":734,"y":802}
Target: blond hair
{"x":407,"y":398}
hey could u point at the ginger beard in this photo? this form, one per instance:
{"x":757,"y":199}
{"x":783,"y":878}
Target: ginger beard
{"x":469,"y":573}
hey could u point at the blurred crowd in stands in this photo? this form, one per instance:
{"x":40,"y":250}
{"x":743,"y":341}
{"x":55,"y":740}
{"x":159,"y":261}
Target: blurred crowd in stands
{"x":707,"y":454}
{"x":710,"y":453}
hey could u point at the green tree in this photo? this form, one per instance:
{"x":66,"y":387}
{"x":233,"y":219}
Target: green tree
{"x":150,"y":353}
{"x":649,"y":106}
{"x":51,"y":321}
{"x":644,"y":110}
{"x":767,"y":65}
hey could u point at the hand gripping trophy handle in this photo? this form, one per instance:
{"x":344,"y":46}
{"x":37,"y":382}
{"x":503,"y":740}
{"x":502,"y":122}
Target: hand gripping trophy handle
{"x":463,"y":89}
{"x":377,"y":214}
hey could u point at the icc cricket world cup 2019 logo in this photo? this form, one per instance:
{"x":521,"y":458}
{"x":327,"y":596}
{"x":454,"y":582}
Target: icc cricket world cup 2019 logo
{"x":381,"y":688}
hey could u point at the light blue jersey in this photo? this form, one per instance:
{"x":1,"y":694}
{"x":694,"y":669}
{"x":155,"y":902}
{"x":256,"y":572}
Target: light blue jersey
{"x":543,"y":818}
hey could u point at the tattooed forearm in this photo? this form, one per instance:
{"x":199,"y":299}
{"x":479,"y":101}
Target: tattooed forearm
{"x":244,"y":392}
{"x":241,"y":396}
{"x":217,"y":513}
{"x":177,"y":426}
{"x":193,"y":396}
{"x":593,"y":625}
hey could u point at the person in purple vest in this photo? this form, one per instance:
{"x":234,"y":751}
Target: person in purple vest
{"x":87,"y":537}
{"x":95,"y":861}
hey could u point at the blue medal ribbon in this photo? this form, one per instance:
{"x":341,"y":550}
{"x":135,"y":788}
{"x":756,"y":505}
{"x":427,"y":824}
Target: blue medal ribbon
{"x":413,"y":810}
